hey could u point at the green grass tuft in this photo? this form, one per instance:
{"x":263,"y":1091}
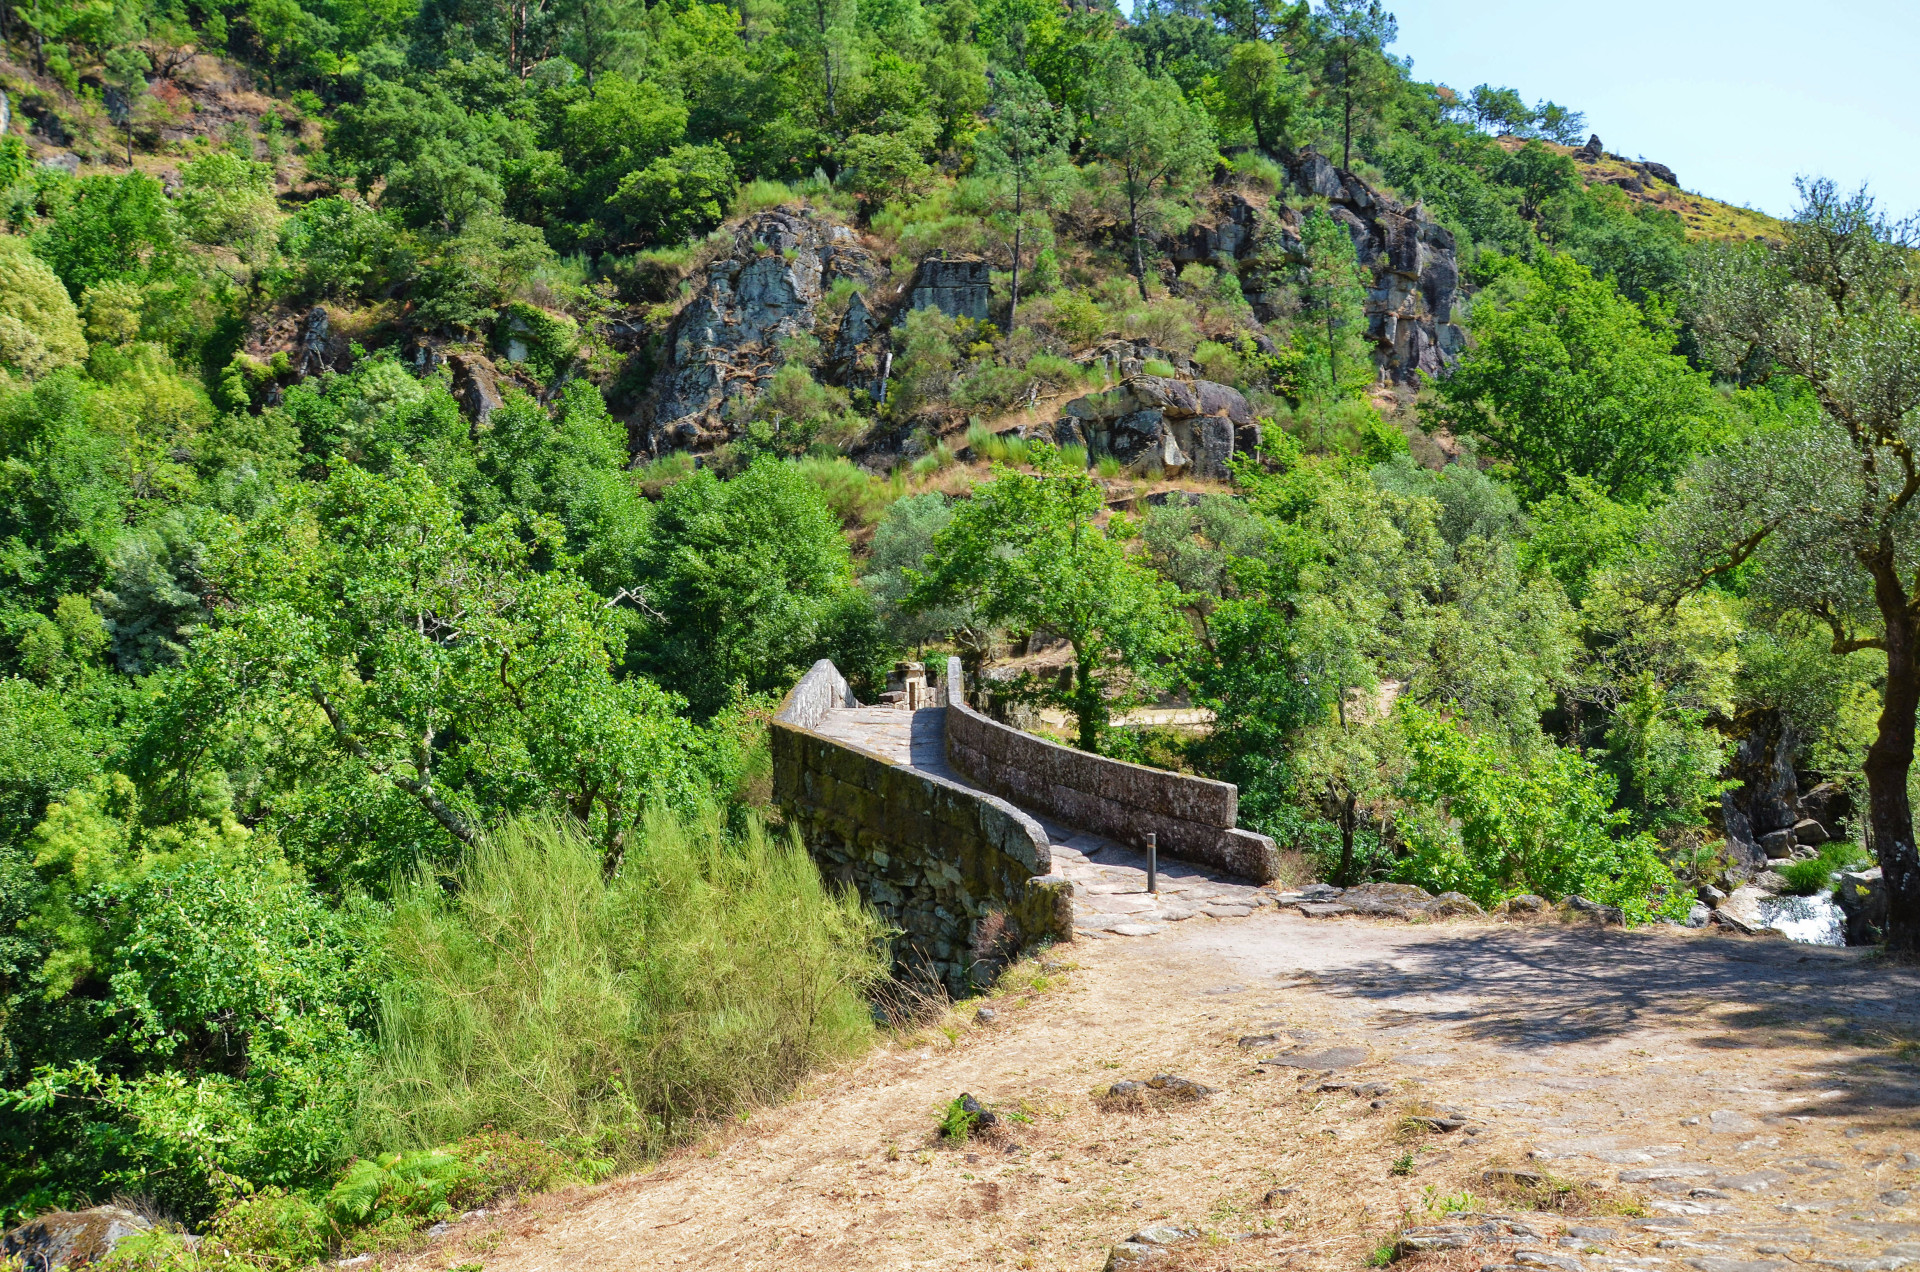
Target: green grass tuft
{"x":614,"y":1015}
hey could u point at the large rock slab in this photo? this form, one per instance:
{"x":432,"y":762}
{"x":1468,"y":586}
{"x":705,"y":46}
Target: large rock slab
{"x":726,"y":344}
{"x":1179,"y":425}
{"x":71,"y":1238}
{"x":957,"y":288}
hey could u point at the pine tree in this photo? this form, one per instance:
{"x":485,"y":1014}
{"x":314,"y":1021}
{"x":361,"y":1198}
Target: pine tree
{"x":1022,"y":155}
{"x":1333,"y":331}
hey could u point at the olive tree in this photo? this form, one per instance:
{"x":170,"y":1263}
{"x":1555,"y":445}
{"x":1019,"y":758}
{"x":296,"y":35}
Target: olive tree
{"x":1819,"y":516}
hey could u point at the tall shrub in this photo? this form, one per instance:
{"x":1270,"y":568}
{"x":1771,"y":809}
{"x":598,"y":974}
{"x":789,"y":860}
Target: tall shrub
{"x":615,"y":1014}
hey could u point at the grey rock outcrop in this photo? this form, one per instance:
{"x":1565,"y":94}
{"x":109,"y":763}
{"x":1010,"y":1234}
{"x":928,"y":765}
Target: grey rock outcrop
{"x":1592,"y":151}
{"x":1181,"y":425}
{"x":1416,"y":275}
{"x":310,"y":350}
{"x":70,"y":1238}
{"x":475,"y":386}
{"x":957,"y":288}
{"x":1862,"y":897}
{"x":726,"y":343}
{"x":1768,"y":797}
{"x":1657,"y":171}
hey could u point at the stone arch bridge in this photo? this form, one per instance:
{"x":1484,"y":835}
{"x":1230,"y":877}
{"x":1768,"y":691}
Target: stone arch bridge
{"x":976,"y":840}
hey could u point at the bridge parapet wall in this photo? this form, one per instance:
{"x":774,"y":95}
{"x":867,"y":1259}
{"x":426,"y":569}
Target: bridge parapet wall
{"x":1192,"y":817}
{"x":953,"y":868}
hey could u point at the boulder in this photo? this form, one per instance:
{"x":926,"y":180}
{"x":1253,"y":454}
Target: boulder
{"x":957,"y":288}
{"x":1454,"y":904}
{"x":726,"y":343}
{"x":1592,"y":151}
{"x":1595,"y":910}
{"x":1181,"y":425}
{"x":1767,"y":798}
{"x":1658,"y":171}
{"x":1862,"y":898}
{"x":1741,"y":911}
{"x":1829,"y":803}
{"x":1523,"y":906}
{"x":71,"y":1238}
{"x":475,"y":386}
{"x":1777,"y":844}
{"x":1810,"y":832}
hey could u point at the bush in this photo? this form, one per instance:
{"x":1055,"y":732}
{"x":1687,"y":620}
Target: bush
{"x":683,"y":193}
{"x":1495,"y":824}
{"x":39,"y":328}
{"x":1804,"y":878}
{"x":857,"y":496}
{"x":616,"y":1015}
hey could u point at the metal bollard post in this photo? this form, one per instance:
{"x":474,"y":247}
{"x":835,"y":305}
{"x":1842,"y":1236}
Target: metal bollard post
{"x":1153,"y":862}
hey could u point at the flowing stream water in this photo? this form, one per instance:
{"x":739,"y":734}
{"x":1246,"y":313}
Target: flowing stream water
{"x":1815,"y":920}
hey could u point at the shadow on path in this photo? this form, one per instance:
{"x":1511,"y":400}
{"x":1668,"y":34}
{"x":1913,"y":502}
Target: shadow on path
{"x":1525,"y":989}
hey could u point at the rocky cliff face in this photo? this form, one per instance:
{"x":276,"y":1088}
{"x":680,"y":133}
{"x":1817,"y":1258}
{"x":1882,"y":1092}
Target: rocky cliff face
{"x":1412,"y":305}
{"x":724,"y":346}
{"x":1178,"y":426}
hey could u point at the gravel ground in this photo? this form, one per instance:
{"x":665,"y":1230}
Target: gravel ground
{"x":1714,"y":1102}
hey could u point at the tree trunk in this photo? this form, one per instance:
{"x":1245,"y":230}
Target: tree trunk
{"x":1088,"y":706}
{"x":1019,"y":200}
{"x":1346,"y":110}
{"x":1890,"y":758}
{"x":1013,"y":303}
{"x":1346,"y":136}
{"x":1133,"y":226}
{"x":1346,"y":841}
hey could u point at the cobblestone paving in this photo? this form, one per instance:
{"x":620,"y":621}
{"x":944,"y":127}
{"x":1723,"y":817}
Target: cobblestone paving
{"x":1110,"y":896}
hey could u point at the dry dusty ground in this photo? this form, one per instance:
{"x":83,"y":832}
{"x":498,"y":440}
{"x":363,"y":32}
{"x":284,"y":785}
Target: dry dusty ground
{"x":1737,"y":1102}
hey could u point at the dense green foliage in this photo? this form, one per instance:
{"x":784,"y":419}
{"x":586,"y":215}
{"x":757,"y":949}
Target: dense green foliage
{"x":319,"y":682}
{"x":614,"y":1015}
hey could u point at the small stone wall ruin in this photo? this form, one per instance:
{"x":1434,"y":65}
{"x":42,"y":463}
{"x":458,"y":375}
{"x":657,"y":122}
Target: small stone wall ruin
{"x":953,"y":869}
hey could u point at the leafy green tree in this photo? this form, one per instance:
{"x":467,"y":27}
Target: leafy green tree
{"x":1492,"y":825}
{"x":1023,"y":154}
{"x":39,"y":328}
{"x":1815,"y":517}
{"x":682,"y":194}
{"x":1154,"y":138}
{"x":228,"y":201}
{"x":748,"y":582}
{"x":601,"y":35}
{"x":1333,"y":293}
{"x":113,"y":228}
{"x":127,"y":71}
{"x":887,"y":165}
{"x":1025,"y":549}
{"x":1500,"y":110}
{"x":1357,"y":32}
{"x":1260,"y":92}
{"x":64,"y":492}
{"x":1538,"y":174}
{"x":1568,"y":377}
{"x":187,"y":980}
{"x":901,"y":543}
{"x":425,"y":658}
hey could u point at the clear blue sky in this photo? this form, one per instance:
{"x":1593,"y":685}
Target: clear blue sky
{"x":1736,"y":98}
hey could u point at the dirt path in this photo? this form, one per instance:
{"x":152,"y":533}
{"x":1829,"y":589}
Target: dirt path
{"x":1756,"y":1103}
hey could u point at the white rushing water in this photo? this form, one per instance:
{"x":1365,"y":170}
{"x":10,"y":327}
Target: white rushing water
{"x":1815,"y":920}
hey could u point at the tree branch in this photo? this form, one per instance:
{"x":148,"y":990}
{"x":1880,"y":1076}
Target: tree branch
{"x":437,"y":808}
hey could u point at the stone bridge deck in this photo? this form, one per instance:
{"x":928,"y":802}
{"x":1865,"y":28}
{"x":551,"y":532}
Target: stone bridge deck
{"x":1109,"y":880}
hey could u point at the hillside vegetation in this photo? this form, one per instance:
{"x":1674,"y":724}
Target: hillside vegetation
{"x":367,"y":621}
